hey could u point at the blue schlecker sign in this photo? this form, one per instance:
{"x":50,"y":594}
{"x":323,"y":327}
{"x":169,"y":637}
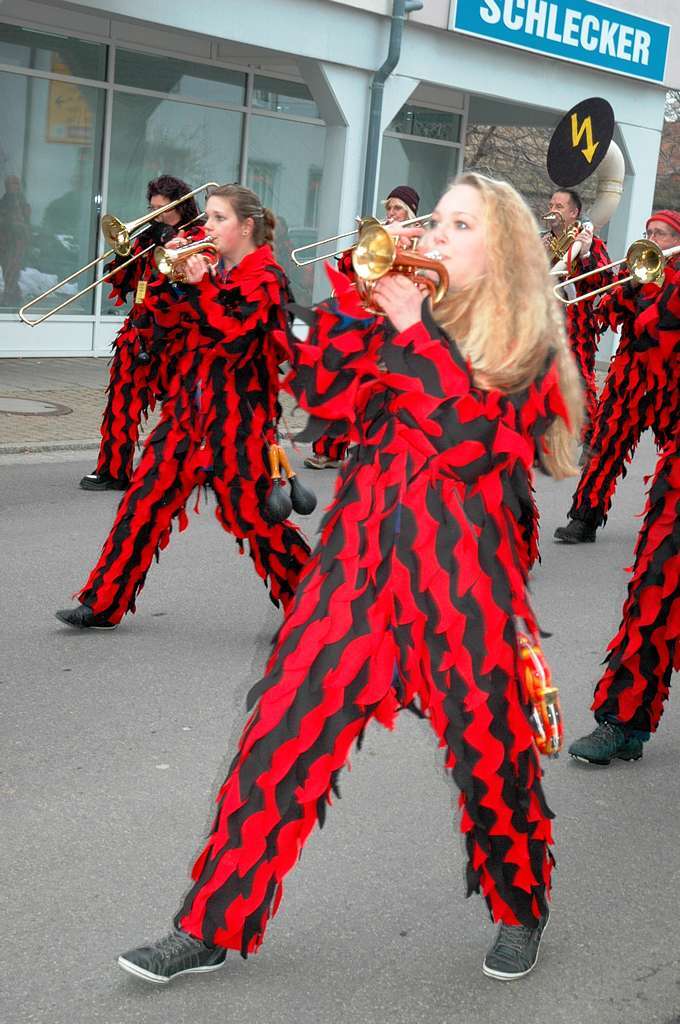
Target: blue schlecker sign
{"x":575,"y":30}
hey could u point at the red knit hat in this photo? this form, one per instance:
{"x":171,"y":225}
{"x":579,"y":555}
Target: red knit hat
{"x":670,"y":217}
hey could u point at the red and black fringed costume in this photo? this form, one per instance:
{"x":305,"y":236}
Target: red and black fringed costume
{"x":219,"y":416}
{"x":641,"y":391}
{"x":646,"y":649}
{"x":411,"y":599}
{"x":135,"y":371}
{"x":583,"y":327}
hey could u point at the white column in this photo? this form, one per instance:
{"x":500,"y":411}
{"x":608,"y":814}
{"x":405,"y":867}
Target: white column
{"x":342,"y":95}
{"x":641,"y":148}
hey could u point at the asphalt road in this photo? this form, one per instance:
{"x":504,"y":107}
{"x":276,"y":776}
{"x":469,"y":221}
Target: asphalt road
{"x":113,"y":746}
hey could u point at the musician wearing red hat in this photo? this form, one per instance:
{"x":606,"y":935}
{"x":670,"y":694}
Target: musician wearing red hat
{"x":402,"y":203}
{"x":642,"y":388}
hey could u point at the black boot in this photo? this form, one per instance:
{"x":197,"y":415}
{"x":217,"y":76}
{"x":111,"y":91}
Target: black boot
{"x":577,"y":531}
{"x":82,"y":617}
{"x":103,"y":482}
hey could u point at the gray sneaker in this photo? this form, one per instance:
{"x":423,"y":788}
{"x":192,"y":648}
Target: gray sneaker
{"x":515,"y":950}
{"x":175,"y":954}
{"x":605,"y":742}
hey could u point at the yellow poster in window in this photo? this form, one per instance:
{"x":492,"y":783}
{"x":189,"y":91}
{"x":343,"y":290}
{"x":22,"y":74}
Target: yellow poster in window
{"x":69,"y":117}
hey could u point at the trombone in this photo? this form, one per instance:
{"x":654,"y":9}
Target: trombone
{"x":345,"y":234}
{"x":645,"y":260}
{"x":119,"y":236}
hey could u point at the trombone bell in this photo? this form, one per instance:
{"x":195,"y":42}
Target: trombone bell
{"x":646,"y":262}
{"x":116,"y":234}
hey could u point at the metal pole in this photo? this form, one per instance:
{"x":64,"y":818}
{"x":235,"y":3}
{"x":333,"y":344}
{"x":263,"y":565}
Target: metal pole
{"x":400,"y":8}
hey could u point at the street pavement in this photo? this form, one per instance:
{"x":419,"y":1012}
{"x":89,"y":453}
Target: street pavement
{"x":114,"y":745}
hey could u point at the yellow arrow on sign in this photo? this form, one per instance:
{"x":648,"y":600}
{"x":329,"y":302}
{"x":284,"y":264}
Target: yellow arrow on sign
{"x":577,"y":133}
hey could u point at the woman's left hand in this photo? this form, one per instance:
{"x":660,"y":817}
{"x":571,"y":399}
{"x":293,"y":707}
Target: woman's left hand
{"x":400,"y":299}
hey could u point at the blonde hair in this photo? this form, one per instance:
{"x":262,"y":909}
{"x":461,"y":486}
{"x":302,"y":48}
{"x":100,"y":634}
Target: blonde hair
{"x":508,"y":322}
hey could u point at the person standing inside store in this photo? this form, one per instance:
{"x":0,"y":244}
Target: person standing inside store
{"x":642,"y":387}
{"x":218,"y":419}
{"x":15,"y":238}
{"x":401,"y":204}
{"x":416,"y":595}
{"x":137,"y":376}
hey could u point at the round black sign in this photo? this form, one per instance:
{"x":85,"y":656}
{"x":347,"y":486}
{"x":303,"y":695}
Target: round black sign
{"x":580,"y":142}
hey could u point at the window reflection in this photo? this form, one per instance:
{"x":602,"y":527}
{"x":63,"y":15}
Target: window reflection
{"x":50,"y":146}
{"x":289,"y":185}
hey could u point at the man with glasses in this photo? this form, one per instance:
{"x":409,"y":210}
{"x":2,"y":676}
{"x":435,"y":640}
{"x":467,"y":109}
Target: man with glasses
{"x":136,"y":376}
{"x":642,"y":388}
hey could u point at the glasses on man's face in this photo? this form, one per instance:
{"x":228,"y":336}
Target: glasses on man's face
{"x":653,"y":235}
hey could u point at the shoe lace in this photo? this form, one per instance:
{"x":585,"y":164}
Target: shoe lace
{"x":174,"y":943}
{"x":604,"y":733}
{"x":511,"y":939}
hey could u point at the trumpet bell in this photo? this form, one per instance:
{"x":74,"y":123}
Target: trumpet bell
{"x":171,"y":261}
{"x":646,"y":262}
{"x":374,"y":254}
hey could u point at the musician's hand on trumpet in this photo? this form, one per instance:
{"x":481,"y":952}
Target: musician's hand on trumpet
{"x":401,"y":299}
{"x":194,"y":269}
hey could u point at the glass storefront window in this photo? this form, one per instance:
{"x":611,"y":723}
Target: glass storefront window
{"x":150,"y":137}
{"x":50,"y":151}
{"x":180,"y":77}
{"x":425,"y":167}
{"x":284,"y":97}
{"x":427,"y":124}
{"x":45,"y":51}
{"x":285,"y":162}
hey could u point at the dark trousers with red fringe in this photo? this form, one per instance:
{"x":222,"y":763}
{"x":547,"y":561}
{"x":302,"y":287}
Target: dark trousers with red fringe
{"x":646,"y":648}
{"x":172,"y":465}
{"x":128,"y":399}
{"x":624,"y":412}
{"x":330,"y":447}
{"x":340,"y":662}
{"x":583,"y":341}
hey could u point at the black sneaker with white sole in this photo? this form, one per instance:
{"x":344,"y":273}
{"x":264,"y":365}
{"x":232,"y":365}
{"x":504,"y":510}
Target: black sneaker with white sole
{"x":102,"y":482}
{"x":82,"y":617}
{"x":174,"y":954}
{"x":514,"y":951}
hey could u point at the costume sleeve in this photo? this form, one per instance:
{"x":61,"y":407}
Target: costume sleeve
{"x":125,"y":281}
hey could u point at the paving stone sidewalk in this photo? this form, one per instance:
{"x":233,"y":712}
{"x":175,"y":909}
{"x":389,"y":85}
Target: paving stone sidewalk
{"x":75,"y":389}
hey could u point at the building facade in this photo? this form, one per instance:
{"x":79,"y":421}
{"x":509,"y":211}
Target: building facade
{"x":96,"y":101}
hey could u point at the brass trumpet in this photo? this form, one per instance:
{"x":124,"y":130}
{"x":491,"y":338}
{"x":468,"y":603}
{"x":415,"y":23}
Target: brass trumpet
{"x":377,"y":253}
{"x":171,"y":261}
{"x":345,"y":234}
{"x":645,"y":260}
{"x":119,"y":237}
